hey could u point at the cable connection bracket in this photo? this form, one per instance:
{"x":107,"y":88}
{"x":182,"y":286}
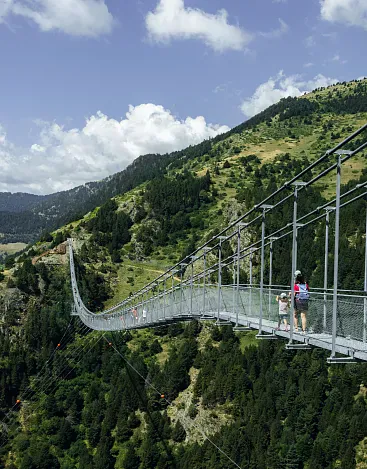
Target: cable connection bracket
{"x":299,"y":183}
{"x":343,"y":152}
{"x":265,"y":207}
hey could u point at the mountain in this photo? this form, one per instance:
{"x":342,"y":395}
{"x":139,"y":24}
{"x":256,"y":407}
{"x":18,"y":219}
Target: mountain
{"x":74,"y":398}
{"x":18,"y":202}
{"x":292,"y":118}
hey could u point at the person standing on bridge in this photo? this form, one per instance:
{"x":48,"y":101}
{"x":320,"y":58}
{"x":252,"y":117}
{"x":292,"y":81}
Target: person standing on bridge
{"x":283,"y":303}
{"x":301,"y":297}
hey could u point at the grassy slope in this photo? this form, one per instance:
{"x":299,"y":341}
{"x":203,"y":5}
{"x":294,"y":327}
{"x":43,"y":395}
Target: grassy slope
{"x":11,"y":248}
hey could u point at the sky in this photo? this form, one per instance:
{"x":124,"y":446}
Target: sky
{"x":86,"y":86}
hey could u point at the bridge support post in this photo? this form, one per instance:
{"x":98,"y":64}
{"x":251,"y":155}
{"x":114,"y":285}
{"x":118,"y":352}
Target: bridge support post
{"x":172,"y":302}
{"x":143,"y":306}
{"x":152,"y":309}
{"x":173,"y":294}
{"x":259,"y":335}
{"x":191,"y":284}
{"x":294,"y":258}
{"x":234,"y":283}
{"x":158,"y":304}
{"x":238,"y":267}
{"x":336,"y":256}
{"x":250,"y":279}
{"x":164,"y":298}
{"x":221,"y":238}
{"x":204,"y":280}
{"x":262,"y":269}
{"x":365,"y":288}
{"x":270,"y":274}
{"x":326,"y":265}
{"x":238,"y":272}
{"x":272,"y":239}
{"x":193,"y":258}
{"x":181,"y":291}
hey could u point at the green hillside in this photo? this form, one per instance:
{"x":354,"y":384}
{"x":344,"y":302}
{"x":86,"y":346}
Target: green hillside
{"x":265,"y":407}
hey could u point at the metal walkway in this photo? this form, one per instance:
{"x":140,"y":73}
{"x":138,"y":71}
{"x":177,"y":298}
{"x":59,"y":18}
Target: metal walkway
{"x":239,"y":308}
{"x":336,"y":319}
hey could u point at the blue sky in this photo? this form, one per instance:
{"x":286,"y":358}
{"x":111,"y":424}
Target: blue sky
{"x":71,"y":68}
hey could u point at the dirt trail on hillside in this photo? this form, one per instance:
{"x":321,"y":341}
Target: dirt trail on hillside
{"x":151,"y":270}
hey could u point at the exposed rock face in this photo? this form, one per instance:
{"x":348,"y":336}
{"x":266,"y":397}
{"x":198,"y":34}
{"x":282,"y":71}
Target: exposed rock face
{"x":59,"y":250}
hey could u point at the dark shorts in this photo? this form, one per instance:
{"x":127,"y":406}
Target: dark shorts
{"x":301,"y":305}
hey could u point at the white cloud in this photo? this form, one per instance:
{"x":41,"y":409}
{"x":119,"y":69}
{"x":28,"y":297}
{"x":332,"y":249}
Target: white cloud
{"x":89,"y":18}
{"x":5,"y":8}
{"x":308,"y":65}
{"x":349,"y":12}
{"x":309,"y":41}
{"x":279,"y":87}
{"x":220,"y":88}
{"x":331,"y":36}
{"x":338,"y":59}
{"x":61,"y":159}
{"x":171,"y":20}
{"x":275,"y":33}
{"x":279,"y":1}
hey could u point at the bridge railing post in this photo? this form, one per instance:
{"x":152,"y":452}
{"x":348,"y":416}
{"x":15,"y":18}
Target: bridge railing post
{"x":234,"y":289}
{"x":206,"y":249}
{"x":272,"y":239}
{"x":264,"y":209}
{"x":164,"y":298}
{"x":326,"y":264}
{"x":270,"y":274}
{"x":173,"y":293}
{"x":336,"y":256}
{"x":365,"y":286}
{"x":182,"y":265}
{"x":251,"y":259}
{"x":193,"y":259}
{"x":238,"y":272}
{"x":238,"y":257}
{"x":155,"y":300}
{"x":221,"y":239}
{"x":295,"y":226}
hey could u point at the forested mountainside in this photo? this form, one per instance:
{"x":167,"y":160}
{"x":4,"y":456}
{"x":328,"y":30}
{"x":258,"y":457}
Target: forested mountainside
{"x":19,"y":201}
{"x":69,"y":398}
{"x":314,"y":109}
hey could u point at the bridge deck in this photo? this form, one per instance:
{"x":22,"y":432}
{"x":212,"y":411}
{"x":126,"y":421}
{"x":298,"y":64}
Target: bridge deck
{"x":240,"y":307}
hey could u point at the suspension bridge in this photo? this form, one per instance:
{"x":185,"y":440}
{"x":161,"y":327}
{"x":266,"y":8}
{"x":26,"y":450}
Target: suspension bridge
{"x":336,"y":318}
